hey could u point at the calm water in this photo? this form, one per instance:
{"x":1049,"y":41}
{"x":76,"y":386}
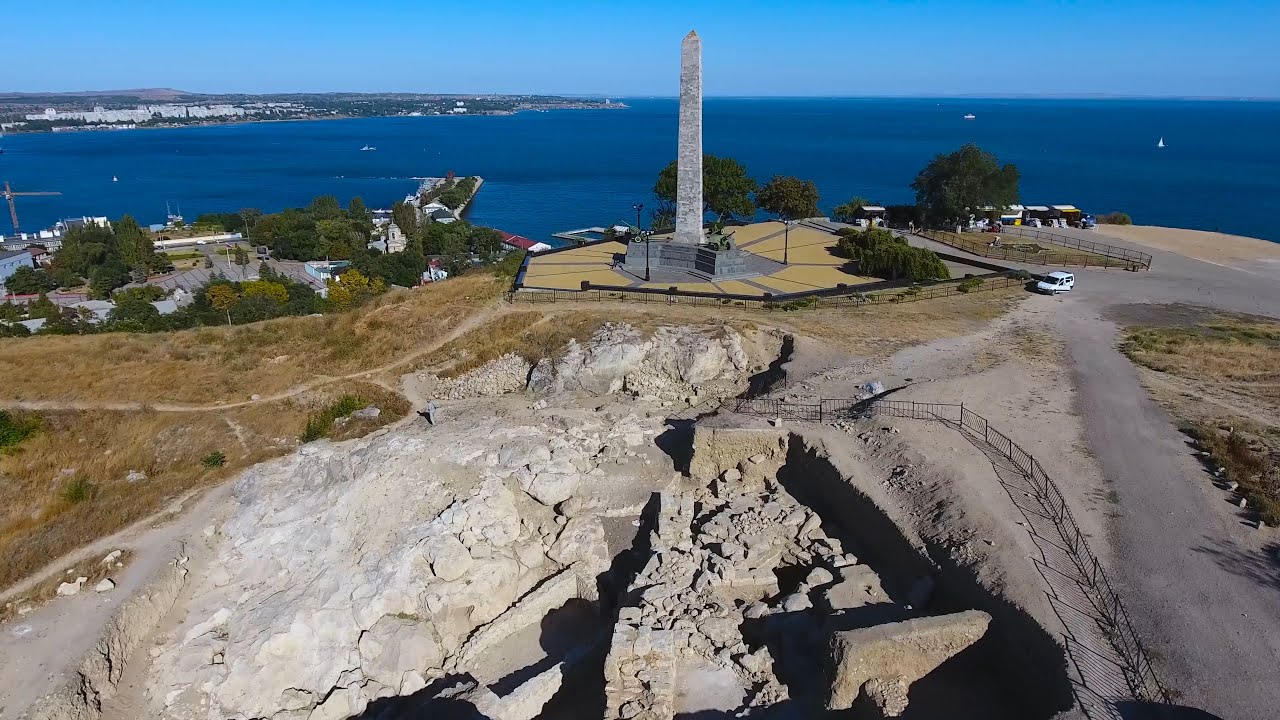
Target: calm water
{"x":554,"y":171}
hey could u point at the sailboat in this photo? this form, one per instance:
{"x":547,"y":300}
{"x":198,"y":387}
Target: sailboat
{"x":368,"y":148}
{"x":115,"y":179}
{"x":1161,"y":143}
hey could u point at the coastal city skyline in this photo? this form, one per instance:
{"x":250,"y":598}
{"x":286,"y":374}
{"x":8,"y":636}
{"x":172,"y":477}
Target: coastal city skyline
{"x":813,"y":49}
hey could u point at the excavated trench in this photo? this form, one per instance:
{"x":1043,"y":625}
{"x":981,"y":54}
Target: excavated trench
{"x":1017,"y":670}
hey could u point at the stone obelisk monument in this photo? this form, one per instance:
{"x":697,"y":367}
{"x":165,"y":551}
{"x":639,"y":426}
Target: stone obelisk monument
{"x":689,"y":153}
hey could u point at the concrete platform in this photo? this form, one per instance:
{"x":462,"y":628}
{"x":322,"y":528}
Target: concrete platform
{"x":812,"y":265}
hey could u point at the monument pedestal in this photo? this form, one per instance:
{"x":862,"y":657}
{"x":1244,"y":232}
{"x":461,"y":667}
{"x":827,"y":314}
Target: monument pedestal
{"x":672,"y":261}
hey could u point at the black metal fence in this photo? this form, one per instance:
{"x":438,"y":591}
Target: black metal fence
{"x":826,"y":299}
{"x":1114,"y":619}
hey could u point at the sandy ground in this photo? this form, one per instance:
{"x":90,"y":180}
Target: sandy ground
{"x":1236,"y":251}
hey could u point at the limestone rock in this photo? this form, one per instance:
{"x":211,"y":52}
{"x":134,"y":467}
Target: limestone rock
{"x":550,"y":488}
{"x":908,"y":650}
{"x":105,"y":585}
{"x":67,"y":589}
{"x":395,"y":644}
{"x":499,"y":376}
{"x":370,"y":412}
{"x":796,"y":602}
{"x":582,"y":540}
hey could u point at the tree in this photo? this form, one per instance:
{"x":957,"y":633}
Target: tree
{"x":222,"y":296}
{"x":28,"y":281}
{"x":952,"y":186}
{"x":133,"y":313}
{"x":241,"y":256}
{"x":133,"y":244}
{"x":83,"y":248}
{"x":726,"y":187}
{"x":276,"y":292}
{"x":453,"y":198}
{"x":880,"y":253}
{"x":405,"y":216}
{"x":108,"y":276}
{"x":848,"y":212}
{"x":41,"y":307}
{"x":790,"y":198}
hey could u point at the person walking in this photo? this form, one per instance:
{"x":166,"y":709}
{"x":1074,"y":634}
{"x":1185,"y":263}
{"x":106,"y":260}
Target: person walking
{"x":430,"y":413}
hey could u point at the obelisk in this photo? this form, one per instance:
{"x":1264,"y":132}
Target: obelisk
{"x":689,"y":152}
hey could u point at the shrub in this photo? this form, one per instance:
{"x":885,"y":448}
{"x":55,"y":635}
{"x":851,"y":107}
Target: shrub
{"x":79,"y":490}
{"x":1115,"y":218}
{"x":880,"y":253}
{"x":1257,"y":474}
{"x":215,"y":459}
{"x":14,"y":430}
{"x":320,"y":424}
{"x":969,"y":285}
{"x":317,"y":427}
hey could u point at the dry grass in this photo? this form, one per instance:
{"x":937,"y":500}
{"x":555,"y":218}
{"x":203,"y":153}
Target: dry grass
{"x":266,"y":358}
{"x":1243,"y":353}
{"x":1222,"y":379}
{"x":40,"y":522}
{"x":532,"y":335}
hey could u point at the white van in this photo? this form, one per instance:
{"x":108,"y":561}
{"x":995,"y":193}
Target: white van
{"x":1056,"y":282}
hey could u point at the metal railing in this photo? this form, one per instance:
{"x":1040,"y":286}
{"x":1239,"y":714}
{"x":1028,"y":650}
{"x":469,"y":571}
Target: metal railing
{"x":1092,"y":254}
{"x":1114,"y":620}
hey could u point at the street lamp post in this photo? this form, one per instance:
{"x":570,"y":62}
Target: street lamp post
{"x":638,"y":207}
{"x":786,"y":239}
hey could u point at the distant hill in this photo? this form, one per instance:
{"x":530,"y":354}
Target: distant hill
{"x":140,"y":93}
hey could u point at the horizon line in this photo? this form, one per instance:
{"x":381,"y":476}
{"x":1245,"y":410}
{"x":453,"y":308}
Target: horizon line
{"x":726,"y":96}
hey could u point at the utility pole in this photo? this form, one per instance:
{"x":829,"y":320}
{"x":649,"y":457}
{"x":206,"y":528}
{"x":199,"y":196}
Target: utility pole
{"x":9,"y":195}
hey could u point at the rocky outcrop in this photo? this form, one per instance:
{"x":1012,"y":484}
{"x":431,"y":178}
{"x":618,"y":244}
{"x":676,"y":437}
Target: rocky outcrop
{"x":674,"y":364}
{"x":368,"y":569}
{"x":884,"y":660}
{"x":506,"y":374}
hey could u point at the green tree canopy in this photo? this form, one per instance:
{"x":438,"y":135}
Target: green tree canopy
{"x":880,"y":253}
{"x":789,"y":198}
{"x":952,"y":186}
{"x":27,"y":281}
{"x":726,"y":187}
{"x":848,"y":212}
{"x":405,"y":216}
{"x":133,"y":244}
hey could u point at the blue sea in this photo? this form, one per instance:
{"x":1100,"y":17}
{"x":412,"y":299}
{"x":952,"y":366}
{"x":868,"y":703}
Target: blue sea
{"x":552,"y":171}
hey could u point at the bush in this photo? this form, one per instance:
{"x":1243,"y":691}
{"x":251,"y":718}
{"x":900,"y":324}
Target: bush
{"x":1115,"y":218}
{"x":14,"y":430}
{"x":79,"y":490}
{"x":215,"y":459}
{"x":1257,"y":474}
{"x":969,"y":285}
{"x":320,"y":424}
{"x":880,"y":253}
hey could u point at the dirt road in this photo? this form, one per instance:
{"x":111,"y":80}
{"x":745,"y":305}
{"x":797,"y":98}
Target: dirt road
{"x":1202,"y":585}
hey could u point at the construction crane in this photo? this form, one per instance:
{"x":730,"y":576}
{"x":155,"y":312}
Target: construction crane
{"x":9,"y":195}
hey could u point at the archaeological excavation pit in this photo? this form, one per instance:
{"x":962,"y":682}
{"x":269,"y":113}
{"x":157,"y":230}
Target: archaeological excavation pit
{"x":774,"y":586}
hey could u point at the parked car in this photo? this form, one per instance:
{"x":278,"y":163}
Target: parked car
{"x":1056,"y":282}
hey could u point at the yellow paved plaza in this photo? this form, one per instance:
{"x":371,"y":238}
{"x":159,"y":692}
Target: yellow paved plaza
{"x":812,"y":265}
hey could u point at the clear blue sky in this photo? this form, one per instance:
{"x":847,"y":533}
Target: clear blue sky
{"x":750,"y":47}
